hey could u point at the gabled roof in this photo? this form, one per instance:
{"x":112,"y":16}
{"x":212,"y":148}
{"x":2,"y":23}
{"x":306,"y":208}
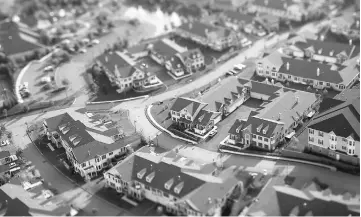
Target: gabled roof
{"x":261,"y":88}
{"x":273,"y":4}
{"x":166,"y":48}
{"x":112,"y":60}
{"x":308,"y":69}
{"x":275,"y":59}
{"x":191,"y":54}
{"x":348,"y":94}
{"x":204,"y":117}
{"x":347,"y":117}
{"x":192,"y":106}
{"x":15,"y":39}
{"x":54,"y":122}
{"x":238,"y":17}
{"x":325,"y":47}
{"x":205,"y":30}
{"x":162,"y":173}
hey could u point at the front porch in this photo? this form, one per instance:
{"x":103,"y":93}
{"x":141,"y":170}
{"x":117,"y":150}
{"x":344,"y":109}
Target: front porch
{"x":201,"y":134}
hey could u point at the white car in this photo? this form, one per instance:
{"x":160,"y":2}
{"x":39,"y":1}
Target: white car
{"x":3,"y":143}
{"x":261,"y":33}
{"x":12,"y":165}
{"x":49,"y":69}
{"x":46,"y":79}
{"x":95,"y":41}
{"x":85,"y":41}
{"x":239,"y":67}
{"x":247,"y":44}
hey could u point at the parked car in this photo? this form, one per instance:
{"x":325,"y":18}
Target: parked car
{"x":214,"y":131}
{"x":239,"y":67}
{"x":95,"y":41}
{"x":249,"y":28}
{"x":45,"y":80}
{"x":3,"y":143}
{"x":49,"y":69}
{"x":248,"y":43}
{"x":12,"y":165}
{"x":25,"y":94}
{"x":83,"y":50}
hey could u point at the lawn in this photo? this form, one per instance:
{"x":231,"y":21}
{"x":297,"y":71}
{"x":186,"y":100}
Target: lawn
{"x":160,"y":113}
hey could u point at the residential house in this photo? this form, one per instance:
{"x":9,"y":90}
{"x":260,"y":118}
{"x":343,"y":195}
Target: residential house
{"x":192,"y":114}
{"x":277,"y":120}
{"x":330,"y":52}
{"x":335,"y":132}
{"x":348,"y":25}
{"x":18,"y":41}
{"x":314,"y":73}
{"x":269,"y":64}
{"x":215,"y":37}
{"x":177,"y":180}
{"x":236,"y":20}
{"x":228,"y":5}
{"x":269,"y":22}
{"x":87,"y":152}
{"x":284,"y":9}
{"x":125,"y":73}
{"x":308,"y":199}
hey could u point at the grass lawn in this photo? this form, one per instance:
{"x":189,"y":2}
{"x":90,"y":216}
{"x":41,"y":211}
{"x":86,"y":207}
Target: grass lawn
{"x":114,"y":197}
{"x":161,"y":114}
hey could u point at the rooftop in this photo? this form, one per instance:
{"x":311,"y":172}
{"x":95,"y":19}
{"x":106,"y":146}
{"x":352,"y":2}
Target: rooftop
{"x":273,"y":4}
{"x":4,"y":154}
{"x":347,"y":117}
{"x":15,"y":39}
{"x":239,"y":17}
{"x":116,"y":64}
{"x":191,"y":105}
{"x":205,"y":30}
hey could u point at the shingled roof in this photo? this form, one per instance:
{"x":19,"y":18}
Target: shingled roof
{"x":192,"y":106}
{"x":325,"y":48}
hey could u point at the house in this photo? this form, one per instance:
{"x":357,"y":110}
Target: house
{"x":236,"y":20}
{"x":224,"y":5}
{"x":264,"y":129}
{"x":192,"y":114}
{"x":269,"y":22}
{"x":284,"y":9}
{"x":215,"y":37}
{"x":340,"y":141}
{"x":330,"y":52}
{"x":17,"y":41}
{"x":347,"y":25}
{"x":125,"y":73}
{"x":177,"y":180}
{"x":16,"y":201}
{"x":87,"y":152}
{"x":312,"y":73}
{"x":269,"y":64}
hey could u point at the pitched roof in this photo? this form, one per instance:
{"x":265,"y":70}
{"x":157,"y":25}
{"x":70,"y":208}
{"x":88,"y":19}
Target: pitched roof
{"x":273,"y":4}
{"x":166,"y":47}
{"x":4,"y":154}
{"x":261,"y":88}
{"x":325,"y":47}
{"x":317,"y":203}
{"x":204,"y":117}
{"x":4,"y":168}
{"x":112,"y":61}
{"x":238,"y":17}
{"x":54,"y":122}
{"x":328,"y":103}
{"x":191,"y":54}
{"x":205,"y":30}
{"x":308,"y":69}
{"x":162,"y":173}
{"x":274,"y":58}
{"x":15,"y":39}
{"x":348,"y":94}
{"x":288,"y":107}
{"x":192,"y":106}
{"x":347,"y":117}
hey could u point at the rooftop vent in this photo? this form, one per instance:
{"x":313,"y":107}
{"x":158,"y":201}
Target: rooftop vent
{"x":320,"y":51}
{"x":318,"y":71}
{"x":331,"y":53}
{"x":288,"y":66}
{"x":106,"y":59}
{"x":73,"y":137}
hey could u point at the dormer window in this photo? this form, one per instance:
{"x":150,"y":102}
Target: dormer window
{"x":264,"y":131}
{"x":169,"y":184}
{"x":150,"y":177}
{"x":65,"y":130}
{"x":178,"y":188}
{"x":259,"y":128}
{"x":141,"y":173}
{"x":77,"y":141}
{"x":71,"y":138}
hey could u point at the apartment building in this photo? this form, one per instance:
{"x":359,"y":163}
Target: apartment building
{"x":311,"y":73}
{"x":236,"y":20}
{"x":177,"y":180}
{"x":125,"y":73}
{"x":192,"y":114}
{"x":87,"y":152}
{"x":277,"y":120}
{"x":318,"y":50}
{"x":335,"y":132}
{"x":284,"y":9}
{"x":215,"y":37}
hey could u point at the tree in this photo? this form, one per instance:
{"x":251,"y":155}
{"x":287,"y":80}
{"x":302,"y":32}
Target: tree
{"x":19,"y":153}
{"x":111,"y":25}
{"x":4,"y":179}
{"x":94,"y":211}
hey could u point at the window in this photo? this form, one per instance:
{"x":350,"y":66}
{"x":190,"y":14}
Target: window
{"x":311,"y":131}
{"x":97,"y":160}
{"x":147,"y":187}
{"x":105,"y":164}
{"x":310,"y":139}
{"x":320,"y":141}
{"x":327,"y":84}
{"x":260,"y":137}
{"x":289,"y":76}
{"x":265,"y":139}
{"x":165,"y":194}
{"x":83,"y":165}
{"x":99,"y":167}
{"x":111,"y":153}
{"x":254,"y":136}
{"x":266,"y":146}
{"x":320,"y":83}
{"x":103,"y":157}
{"x":320,"y":133}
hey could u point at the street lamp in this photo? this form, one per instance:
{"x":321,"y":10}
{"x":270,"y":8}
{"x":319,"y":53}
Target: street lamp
{"x":135,"y":126}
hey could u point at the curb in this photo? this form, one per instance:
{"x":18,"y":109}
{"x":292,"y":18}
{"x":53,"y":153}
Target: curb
{"x":160,"y":128}
{"x":120,"y":100}
{"x":74,"y":182}
{"x":279,"y":158}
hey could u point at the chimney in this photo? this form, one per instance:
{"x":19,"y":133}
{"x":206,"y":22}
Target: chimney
{"x":320,"y":51}
{"x":89,"y":152}
{"x":358,"y":24}
{"x":350,"y":41}
{"x":322,"y":37}
{"x":331,"y":53}
{"x":206,"y":31}
{"x":279,"y":116}
{"x":318,"y":72}
{"x":297,"y":99}
{"x":190,"y":26}
{"x":288,"y":66}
